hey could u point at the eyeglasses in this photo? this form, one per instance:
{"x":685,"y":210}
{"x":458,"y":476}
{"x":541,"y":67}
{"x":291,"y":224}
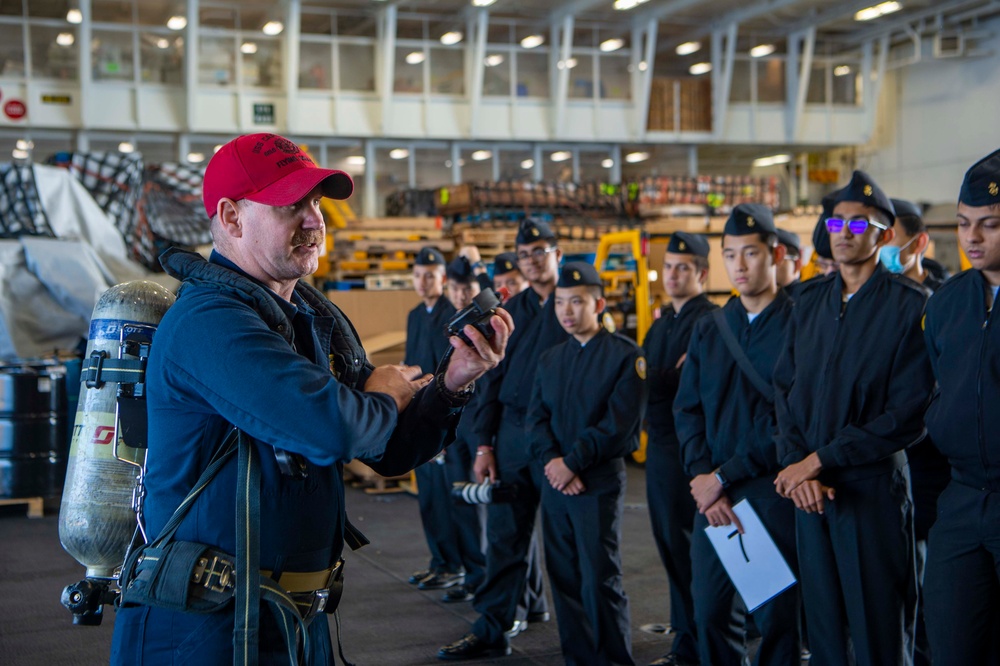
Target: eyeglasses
{"x":857,"y":225}
{"x":538,"y":253}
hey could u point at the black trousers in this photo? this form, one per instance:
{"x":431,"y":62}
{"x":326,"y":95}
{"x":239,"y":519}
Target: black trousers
{"x":720,"y":613}
{"x":513,"y":560}
{"x":467,"y":524}
{"x":858,"y":573}
{"x":582,"y":538}
{"x":671,"y":512}
{"x":962,"y":582}
{"x":435,"y":516}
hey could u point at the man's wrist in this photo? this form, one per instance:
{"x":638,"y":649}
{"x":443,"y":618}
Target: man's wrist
{"x":484,"y":449}
{"x":457,"y":398}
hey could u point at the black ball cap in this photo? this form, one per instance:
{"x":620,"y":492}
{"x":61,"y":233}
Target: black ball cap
{"x":904,"y":207}
{"x":429,"y":256}
{"x":864,"y":190}
{"x":981,"y":185}
{"x":821,"y":239}
{"x":505,"y":262}
{"x":790,"y":240}
{"x":534,"y":230}
{"x":577,"y":273}
{"x":749,"y":219}
{"x":682,"y":242}
{"x":459,"y":270}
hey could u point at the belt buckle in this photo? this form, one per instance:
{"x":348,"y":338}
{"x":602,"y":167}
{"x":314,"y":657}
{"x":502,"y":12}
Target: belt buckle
{"x":320,"y":598}
{"x":214,"y":567}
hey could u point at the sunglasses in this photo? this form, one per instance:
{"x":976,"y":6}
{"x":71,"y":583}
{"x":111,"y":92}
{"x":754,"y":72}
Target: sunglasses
{"x":858,"y":225}
{"x":537,"y":254}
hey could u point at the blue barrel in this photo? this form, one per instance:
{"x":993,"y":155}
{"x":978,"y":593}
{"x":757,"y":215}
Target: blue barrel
{"x":34,"y":432}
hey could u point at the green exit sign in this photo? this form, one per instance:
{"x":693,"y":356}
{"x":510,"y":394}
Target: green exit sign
{"x":263,"y":114}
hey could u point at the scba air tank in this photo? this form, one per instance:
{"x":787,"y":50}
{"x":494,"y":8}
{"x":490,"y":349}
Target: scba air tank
{"x":96,"y":520}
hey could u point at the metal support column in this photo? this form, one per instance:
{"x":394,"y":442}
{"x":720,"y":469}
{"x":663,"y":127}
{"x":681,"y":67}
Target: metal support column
{"x":86,"y":70}
{"x":565,"y":48}
{"x":478,"y":73}
{"x":290,"y":49}
{"x":387,"y":62}
{"x":191,"y":65}
{"x":369,"y":207}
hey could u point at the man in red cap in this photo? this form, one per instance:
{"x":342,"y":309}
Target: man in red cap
{"x":249,"y":346}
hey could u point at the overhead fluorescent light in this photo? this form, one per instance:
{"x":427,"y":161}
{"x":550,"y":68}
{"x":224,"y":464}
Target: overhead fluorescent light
{"x":761,"y":50}
{"x":74,"y":16}
{"x":624,"y":5}
{"x":163,"y":43}
{"x":633,"y":158}
{"x":399,"y":153}
{"x":700,"y":68}
{"x":609,"y":45}
{"x":842,"y":70}
{"x":126,"y":147}
{"x":532,"y":41}
{"x":773,"y":160}
{"x":65,"y":39}
{"x":196,"y":158}
{"x":482,"y":3}
{"x":177,"y":22}
{"x":450,"y":38}
{"x":527,"y":164}
{"x":19,"y":154}
{"x":687,"y":48}
{"x":877,"y":11}
{"x":248,"y":48}
{"x":415,"y":58}
{"x":560,"y":156}
{"x":217,"y":148}
{"x":356,"y":160}
{"x":567,"y":64}
{"x":273,"y":28}
{"x":481,"y":155}
{"x":607,"y":163}
{"x":493,"y":60}
{"x":24,"y":144}
{"x":643,"y":66}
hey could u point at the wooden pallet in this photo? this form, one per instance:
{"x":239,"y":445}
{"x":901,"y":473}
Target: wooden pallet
{"x":389,"y":281}
{"x":36,"y":505}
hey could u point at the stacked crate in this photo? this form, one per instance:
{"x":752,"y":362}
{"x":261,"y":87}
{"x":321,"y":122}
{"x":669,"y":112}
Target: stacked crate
{"x":378,"y":253}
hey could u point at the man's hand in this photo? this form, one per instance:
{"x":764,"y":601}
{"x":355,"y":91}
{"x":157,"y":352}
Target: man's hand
{"x":399,"y":382}
{"x":469,"y":363}
{"x":796,"y":474}
{"x":485,"y":466}
{"x":574,"y":487}
{"x":811,"y":495}
{"x":706,"y":490}
{"x":558,"y":474}
{"x":471,"y":252}
{"x":721,"y":513}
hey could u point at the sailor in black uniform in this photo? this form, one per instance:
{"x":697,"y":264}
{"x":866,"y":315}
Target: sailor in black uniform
{"x":671,"y":508}
{"x":507,"y":275}
{"x":790,"y":270}
{"x":725,"y":419}
{"x":851,"y":387}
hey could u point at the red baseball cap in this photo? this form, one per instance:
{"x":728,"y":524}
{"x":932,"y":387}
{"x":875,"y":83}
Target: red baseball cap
{"x":267,"y":169}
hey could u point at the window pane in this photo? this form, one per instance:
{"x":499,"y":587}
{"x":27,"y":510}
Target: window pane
{"x":217,"y":61}
{"x":448,"y":71}
{"x":615,"y":78}
{"x":217,"y":17}
{"x":161,"y":58}
{"x":112,"y":54}
{"x":50,"y":59}
{"x":11,"y":50}
{"x":406,"y":29}
{"x":317,"y":24}
{"x":356,"y":25}
{"x":11,"y":8}
{"x":846,"y":88}
{"x":112,"y":11}
{"x":739,"y":90}
{"x":357,"y":66}
{"x":262,"y":64}
{"x":315,"y":62}
{"x":55,"y":9}
{"x":532,"y":74}
{"x":771,"y":80}
{"x":158,"y":13}
{"x":581,"y":76}
{"x":496,"y":77}
{"x":409,"y":75}
{"x":817,"y":85}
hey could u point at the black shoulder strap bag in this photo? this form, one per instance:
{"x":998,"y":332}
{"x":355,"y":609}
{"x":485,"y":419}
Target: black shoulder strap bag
{"x":733,"y":345}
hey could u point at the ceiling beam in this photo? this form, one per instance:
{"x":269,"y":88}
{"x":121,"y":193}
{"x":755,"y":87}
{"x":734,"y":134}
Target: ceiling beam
{"x":738,"y":17}
{"x":573,"y":8}
{"x":887,"y":27}
{"x":663,"y":10}
{"x":834,"y":13}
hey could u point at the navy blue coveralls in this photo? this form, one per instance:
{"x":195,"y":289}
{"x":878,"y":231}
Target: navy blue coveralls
{"x":851,"y":386}
{"x":231,"y":352}
{"x":671,"y":507}
{"x":587,"y":408}
{"x":724,"y":422}
{"x":962,"y":581}
{"x":426,"y":343}
{"x":512,"y":555}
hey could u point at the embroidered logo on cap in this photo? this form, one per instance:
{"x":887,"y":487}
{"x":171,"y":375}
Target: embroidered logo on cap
{"x":750,"y":222}
{"x":285,"y":146}
{"x":868,"y":190}
{"x":535,"y":231}
{"x":994,"y":190}
{"x":576,"y":275}
{"x":682,"y":246}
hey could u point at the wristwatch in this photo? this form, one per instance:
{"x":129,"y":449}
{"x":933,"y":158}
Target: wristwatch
{"x":721,"y":478}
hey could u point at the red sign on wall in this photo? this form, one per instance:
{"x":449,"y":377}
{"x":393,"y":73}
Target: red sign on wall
{"x":15,"y":109}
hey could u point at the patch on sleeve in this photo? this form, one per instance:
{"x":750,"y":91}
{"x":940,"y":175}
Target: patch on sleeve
{"x":923,"y":323}
{"x":640,"y":367}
